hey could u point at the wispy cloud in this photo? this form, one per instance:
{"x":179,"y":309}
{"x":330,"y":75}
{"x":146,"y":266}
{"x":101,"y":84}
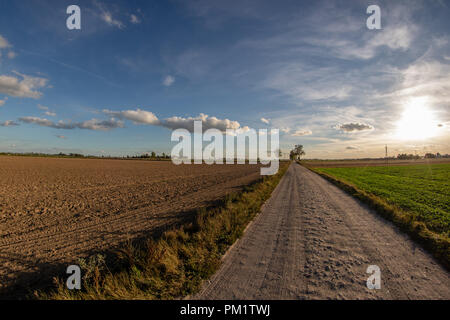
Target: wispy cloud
{"x":266,"y":121}
{"x":3,"y":101}
{"x":354,"y":127}
{"x":50,"y":113}
{"x":395,"y":38}
{"x":8,"y":123}
{"x":168,"y":81}
{"x":308,"y":83}
{"x":93,"y":124}
{"x":300,"y":133}
{"x":69,"y":66}
{"x":134,"y":19}
{"x":108,"y":18}
{"x":107,"y":14}
{"x":424,"y":78}
{"x":4,"y":43}
{"x":47,"y":110}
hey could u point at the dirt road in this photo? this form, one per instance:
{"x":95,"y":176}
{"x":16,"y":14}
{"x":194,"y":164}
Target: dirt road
{"x":313,"y":241}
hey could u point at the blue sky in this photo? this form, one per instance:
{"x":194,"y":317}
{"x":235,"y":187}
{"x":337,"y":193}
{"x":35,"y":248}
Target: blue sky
{"x":138,"y":69}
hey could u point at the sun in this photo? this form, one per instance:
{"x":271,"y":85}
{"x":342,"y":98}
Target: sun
{"x":418,"y":121}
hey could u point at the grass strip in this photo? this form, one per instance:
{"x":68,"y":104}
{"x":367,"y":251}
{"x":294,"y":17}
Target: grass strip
{"x":437,"y":244}
{"x":175,"y":264}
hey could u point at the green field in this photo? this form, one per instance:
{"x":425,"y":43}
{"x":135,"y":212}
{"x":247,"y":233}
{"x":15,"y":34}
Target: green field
{"x":423,"y":191}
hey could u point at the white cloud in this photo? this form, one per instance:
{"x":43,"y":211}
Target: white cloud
{"x":267,"y":121}
{"x":134,"y":19}
{"x":40,"y":106}
{"x":137,"y":116}
{"x":11,"y":54}
{"x":25,"y":88}
{"x":168,"y":81}
{"x":207,"y":123}
{"x":299,"y":133}
{"x":352,"y":148}
{"x":147,"y":117}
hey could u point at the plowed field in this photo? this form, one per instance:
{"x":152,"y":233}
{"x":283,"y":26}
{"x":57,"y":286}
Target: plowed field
{"x":53,"y":211}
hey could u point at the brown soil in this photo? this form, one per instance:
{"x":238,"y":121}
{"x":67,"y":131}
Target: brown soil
{"x":53,"y":211}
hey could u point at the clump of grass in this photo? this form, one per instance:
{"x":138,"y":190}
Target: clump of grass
{"x":175,"y":264}
{"x":436,"y":242}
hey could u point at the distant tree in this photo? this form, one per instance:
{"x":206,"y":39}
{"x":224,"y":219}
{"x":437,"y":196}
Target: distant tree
{"x":430,"y":156}
{"x":297,"y":152}
{"x":153,"y":154}
{"x":404,"y":156}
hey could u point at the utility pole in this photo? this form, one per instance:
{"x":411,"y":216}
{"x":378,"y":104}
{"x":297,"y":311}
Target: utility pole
{"x":386,"y":154}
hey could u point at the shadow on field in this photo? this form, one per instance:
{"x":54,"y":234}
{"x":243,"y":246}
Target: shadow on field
{"x":42,"y":273}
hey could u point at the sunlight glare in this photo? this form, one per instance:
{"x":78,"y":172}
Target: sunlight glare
{"x":417,"y":121}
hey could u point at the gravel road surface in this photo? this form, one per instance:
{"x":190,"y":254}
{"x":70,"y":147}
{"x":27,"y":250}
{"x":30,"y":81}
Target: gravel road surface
{"x":314,"y":241}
